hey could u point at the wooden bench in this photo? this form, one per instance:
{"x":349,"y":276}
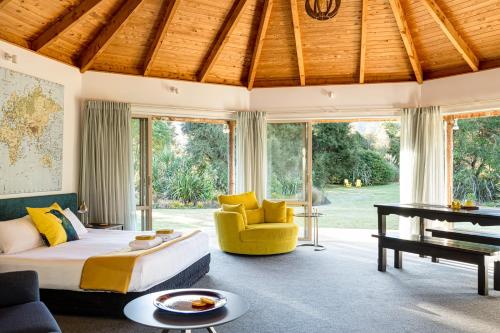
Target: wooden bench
{"x":472,"y":253}
{"x":475,"y":237}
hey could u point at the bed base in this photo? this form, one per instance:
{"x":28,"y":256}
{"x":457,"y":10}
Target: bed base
{"x":111,"y":304}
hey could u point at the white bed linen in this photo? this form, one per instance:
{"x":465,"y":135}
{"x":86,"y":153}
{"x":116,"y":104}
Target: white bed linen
{"x":60,"y":267}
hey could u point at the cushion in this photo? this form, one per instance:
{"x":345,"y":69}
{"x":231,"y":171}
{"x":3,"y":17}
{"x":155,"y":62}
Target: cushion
{"x":255,"y":215}
{"x":274,"y":212}
{"x":19,"y":235}
{"x":237,"y":209}
{"x":75,"y":222}
{"x":51,"y":223}
{"x":270,"y":232}
{"x":248,"y":199}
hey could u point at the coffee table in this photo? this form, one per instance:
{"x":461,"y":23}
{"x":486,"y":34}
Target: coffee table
{"x":143,"y":311}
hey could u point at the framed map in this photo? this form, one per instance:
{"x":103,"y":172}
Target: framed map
{"x":31,"y":133}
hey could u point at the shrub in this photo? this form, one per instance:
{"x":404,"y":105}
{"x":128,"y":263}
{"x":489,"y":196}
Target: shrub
{"x":373,"y":169}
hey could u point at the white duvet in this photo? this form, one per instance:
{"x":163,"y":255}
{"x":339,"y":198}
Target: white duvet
{"x":60,"y":267}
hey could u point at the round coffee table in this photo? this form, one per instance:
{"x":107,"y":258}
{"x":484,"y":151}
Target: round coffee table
{"x":143,"y":311}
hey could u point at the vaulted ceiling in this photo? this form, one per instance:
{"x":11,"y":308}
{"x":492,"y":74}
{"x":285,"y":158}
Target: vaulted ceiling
{"x":261,"y":43}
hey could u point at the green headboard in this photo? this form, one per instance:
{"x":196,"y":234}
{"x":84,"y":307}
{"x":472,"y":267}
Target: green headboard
{"x":16,"y":207}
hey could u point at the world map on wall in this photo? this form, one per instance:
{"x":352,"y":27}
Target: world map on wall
{"x":31,"y":133}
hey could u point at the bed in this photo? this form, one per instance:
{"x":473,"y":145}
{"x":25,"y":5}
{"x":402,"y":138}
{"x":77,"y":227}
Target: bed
{"x":59,"y":268}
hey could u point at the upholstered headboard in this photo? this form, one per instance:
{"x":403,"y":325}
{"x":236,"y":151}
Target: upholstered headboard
{"x":16,"y":207}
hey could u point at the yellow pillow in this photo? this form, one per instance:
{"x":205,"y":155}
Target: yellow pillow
{"x":274,"y":212}
{"x":248,"y":199}
{"x":48,"y":225}
{"x":255,"y":215}
{"x":237,"y":209}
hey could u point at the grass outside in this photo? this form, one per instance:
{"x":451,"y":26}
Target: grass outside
{"x":350,"y":208}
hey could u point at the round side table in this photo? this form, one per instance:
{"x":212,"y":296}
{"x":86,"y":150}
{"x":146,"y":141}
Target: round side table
{"x":315,"y":215}
{"x":143,"y":311}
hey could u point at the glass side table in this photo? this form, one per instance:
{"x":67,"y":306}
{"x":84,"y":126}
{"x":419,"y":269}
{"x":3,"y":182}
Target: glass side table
{"x":315,"y":215}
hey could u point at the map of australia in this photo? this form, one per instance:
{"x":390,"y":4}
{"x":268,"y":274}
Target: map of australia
{"x":31,"y":133}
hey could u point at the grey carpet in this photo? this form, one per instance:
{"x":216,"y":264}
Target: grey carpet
{"x":338,"y":290}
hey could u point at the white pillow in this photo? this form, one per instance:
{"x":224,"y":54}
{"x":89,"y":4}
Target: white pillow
{"x":75,"y":222}
{"x":19,"y":235}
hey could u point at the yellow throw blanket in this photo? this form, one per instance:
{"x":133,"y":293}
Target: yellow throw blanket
{"x":113,"y":271}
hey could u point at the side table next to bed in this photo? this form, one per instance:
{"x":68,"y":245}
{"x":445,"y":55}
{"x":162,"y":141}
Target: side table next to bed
{"x":105,"y":226}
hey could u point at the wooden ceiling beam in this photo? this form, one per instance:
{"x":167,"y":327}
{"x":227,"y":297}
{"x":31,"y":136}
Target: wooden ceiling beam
{"x":364,"y":31}
{"x":161,"y":34}
{"x":400,"y":17}
{"x":298,"y":41}
{"x":222,"y":39}
{"x":99,"y":44}
{"x":452,"y":34}
{"x":4,"y":3}
{"x":63,"y":24}
{"x":261,"y":34}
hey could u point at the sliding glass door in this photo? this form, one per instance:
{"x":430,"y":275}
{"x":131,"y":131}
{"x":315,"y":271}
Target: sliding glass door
{"x":287,"y":177}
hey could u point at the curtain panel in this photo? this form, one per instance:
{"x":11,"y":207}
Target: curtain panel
{"x":106,"y":174}
{"x":251,"y":153}
{"x":422,"y":160}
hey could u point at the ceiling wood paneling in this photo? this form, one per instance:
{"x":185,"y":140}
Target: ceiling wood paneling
{"x":261,"y":43}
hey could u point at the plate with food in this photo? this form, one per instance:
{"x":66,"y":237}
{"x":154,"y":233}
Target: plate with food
{"x":189,"y":301}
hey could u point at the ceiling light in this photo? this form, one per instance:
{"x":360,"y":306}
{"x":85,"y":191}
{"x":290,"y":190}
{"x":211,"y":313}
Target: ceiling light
{"x":322,"y":9}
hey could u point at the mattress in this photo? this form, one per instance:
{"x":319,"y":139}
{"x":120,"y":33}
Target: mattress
{"x":60,"y":267}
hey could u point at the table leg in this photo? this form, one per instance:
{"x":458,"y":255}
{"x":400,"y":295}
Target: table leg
{"x":211,"y":330}
{"x":482,"y":277}
{"x":382,"y":252}
{"x":496,"y":276}
{"x":165,"y":331}
{"x":398,"y":259}
{"x":421,"y":231}
{"x":435,"y":259}
{"x":317,"y":247}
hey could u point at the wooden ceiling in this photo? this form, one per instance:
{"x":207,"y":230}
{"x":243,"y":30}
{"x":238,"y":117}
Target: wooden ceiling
{"x":261,"y":43}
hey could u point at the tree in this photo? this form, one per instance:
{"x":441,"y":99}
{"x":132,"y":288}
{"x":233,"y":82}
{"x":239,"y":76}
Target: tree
{"x":476,"y":162}
{"x":393,"y":132}
{"x":207,"y":148}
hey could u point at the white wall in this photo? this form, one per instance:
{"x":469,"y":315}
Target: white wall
{"x":367,"y":100}
{"x":44,"y":68}
{"x":153,"y":91}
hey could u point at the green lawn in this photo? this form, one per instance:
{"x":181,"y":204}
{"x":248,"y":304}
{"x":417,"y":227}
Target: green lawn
{"x":349,"y":208}
{"x":353,"y":207}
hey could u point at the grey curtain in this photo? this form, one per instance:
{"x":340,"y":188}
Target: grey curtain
{"x":423,"y":160}
{"x":251,"y":153}
{"x":106,"y":175}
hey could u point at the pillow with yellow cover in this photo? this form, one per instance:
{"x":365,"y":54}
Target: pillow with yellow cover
{"x":255,"y":216}
{"x":237,"y":209}
{"x":274,"y":212}
{"x":52,"y":224}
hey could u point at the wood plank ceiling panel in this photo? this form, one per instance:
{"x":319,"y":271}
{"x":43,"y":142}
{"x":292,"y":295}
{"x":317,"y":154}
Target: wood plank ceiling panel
{"x":434,"y":48}
{"x":72,"y":42}
{"x":478,"y":24}
{"x":232,"y":65}
{"x":278,"y":60}
{"x":127,"y":50}
{"x":189,"y":37}
{"x":22,"y":20}
{"x":332,"y":47}
{"x":386,"y":57}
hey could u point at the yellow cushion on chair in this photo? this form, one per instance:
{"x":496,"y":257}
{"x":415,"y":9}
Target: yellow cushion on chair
{"x":237,"y":209}
{"x":249,"y":199}
{"x":274,"y":212}
{"x":255,"y":216}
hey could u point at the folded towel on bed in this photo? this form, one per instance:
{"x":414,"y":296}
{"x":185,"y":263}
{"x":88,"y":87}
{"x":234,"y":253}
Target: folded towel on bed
{"x":113,"y":271}
{"x":144,"y":244}
{"x":167,"y":237}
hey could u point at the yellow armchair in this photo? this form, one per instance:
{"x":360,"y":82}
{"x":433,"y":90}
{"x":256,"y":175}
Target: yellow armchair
{"x":255,"y":239}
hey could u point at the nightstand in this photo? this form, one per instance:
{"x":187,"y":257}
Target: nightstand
{"x":106,"y":226}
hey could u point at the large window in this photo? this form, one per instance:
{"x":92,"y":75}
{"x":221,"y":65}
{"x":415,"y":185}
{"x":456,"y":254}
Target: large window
{"x":355,"y":165}
{"x":180,"y":167}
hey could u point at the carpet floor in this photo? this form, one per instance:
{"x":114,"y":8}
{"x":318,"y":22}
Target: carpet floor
{"x":338,"y":290}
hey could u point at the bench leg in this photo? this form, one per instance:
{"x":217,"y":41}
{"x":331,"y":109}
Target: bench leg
{"x":435,"y":259}
{"x":398,"y":259}
{"x":496,"y":276}
{"x":482,"y":277}
{"x":382,"y":258}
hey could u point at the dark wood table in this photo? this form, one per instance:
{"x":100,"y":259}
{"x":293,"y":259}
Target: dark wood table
{"x":483,"y":217}
{"x":143,"y":311}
